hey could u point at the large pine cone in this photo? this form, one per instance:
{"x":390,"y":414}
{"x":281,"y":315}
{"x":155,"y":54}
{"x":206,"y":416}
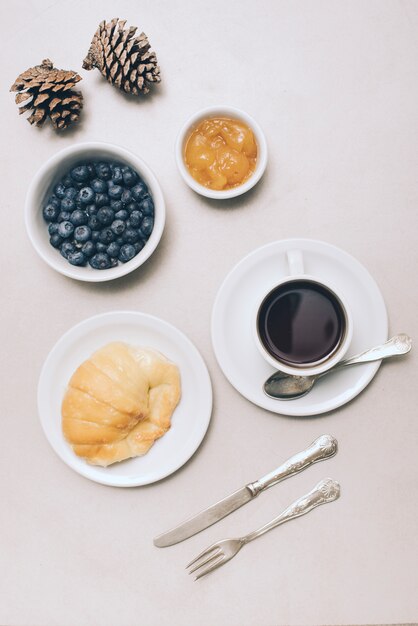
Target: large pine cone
{"x":124,"y":60}
{"x":49,"y":92}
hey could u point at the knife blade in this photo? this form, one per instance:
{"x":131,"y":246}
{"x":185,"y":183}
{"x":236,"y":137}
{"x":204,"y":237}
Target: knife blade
{"x":322,"y":448}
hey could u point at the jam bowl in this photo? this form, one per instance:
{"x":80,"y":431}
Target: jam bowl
{"x":215,"y":153}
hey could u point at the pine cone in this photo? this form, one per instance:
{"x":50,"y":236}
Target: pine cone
{"x":124,"y":60}
{"x":49,"y":93}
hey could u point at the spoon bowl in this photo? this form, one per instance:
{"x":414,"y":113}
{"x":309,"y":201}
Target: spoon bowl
{"x":285,"y":387}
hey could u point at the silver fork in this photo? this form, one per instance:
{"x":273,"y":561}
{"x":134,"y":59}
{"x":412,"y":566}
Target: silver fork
{"x":327,"y":490}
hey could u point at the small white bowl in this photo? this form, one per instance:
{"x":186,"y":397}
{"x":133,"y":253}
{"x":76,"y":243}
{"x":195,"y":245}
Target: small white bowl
{"x":223,"y":111}
{"x":49,"y":175}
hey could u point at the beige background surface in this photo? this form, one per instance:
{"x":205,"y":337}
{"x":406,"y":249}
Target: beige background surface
{"x":333,"y":84}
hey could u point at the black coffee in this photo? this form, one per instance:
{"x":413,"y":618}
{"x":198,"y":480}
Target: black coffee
{"x":301,"y":322}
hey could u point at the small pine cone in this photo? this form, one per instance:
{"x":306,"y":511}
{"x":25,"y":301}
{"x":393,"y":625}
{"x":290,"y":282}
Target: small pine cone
{"x":124,"y":60}
{"x":49,"y":92}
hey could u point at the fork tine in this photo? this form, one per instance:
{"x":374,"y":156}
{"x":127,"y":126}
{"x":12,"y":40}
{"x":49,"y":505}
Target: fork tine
{"x":212,"y":555}
{"x":204,"y":553}
{"x":213,"y":565}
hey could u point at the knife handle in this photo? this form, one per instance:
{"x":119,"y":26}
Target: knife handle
{"x":322,"y":448}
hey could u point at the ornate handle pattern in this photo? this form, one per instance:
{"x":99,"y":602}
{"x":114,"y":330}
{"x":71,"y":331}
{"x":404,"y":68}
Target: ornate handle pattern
{"x":322,"y":448}
{"x":397,"y":345}
{"x":327,"y":490}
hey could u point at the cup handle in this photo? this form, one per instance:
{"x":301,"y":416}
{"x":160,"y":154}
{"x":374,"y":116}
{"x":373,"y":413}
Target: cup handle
{"x":295,"y":262}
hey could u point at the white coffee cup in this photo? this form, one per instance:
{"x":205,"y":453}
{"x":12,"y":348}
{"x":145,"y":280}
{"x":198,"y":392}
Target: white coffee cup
{"x":331,"y":357}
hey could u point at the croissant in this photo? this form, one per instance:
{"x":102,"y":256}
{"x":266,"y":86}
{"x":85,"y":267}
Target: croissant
{"x":119,"y":402}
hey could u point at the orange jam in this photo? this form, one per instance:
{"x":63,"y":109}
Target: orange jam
{"x":221,"y":153}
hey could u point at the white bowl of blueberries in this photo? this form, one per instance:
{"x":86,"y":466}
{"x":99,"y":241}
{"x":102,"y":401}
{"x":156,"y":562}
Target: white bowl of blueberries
{"x":95,"y":212}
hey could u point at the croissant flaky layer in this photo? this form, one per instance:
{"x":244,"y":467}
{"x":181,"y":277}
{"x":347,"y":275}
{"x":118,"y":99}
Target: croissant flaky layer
{"x":119,"y":402}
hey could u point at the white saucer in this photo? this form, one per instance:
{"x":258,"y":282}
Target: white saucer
{"x":189,"y":422}
{"x":253,"y":276}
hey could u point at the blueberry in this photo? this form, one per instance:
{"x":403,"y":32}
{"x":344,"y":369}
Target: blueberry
{"x":135,"y":219}
{"x":79,"y":217}
{"x":100,"y":261}
{"x":86,"y":195}
{"x":94,"y":223}
{"x":105,"y":215}
{"x":91,"y":209}
{"x":130,"y":235}
{"x":147,"y":226}
{"x":88,"y":249}
{"x":106,"y":236}
{"x":67,"y":204}
{"x":67,"y":181}
{"x":126,"y":196}
{"x":91,"y":169}
{"x":54,"y":201}
{"x":65,"y":229}
{"x":127,"y":252}
{"x":71,"y":192}
{"x":101,"y":247}
{"x":115,"y":192}
{"x":66,"y":249}
{"x":117,"y":175}
{"x":98,"y":186}
{"x":147,"y":206}
{"x":95,"y":235}
{"x":101,"y":199}
{"x":120,"y":241}
{"x":53,"y":228}
{"x":116,"y":205}
{"x":113,"y":262}
{"x":55,"y":240}
{"x":129,"y":176}
{"x":113,"y":249}
{"x":122,"y":215}
{"x":60,"y":191}
{"x":50,"y":212}
{"x":118,"y":226}
{"x":82,"y":234}
{"x":138,"y":245}
{"x":139,"y":190}
{"x":132,"y":206}
{"x":80,"y":174}
{"x":63,"y":215}
{"x":103,"y":171}
{"x":76,"y":258}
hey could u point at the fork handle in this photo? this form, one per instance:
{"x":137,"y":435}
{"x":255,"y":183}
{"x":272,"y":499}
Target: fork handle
{"x":327,"y":490}
{"x":322,"y":448}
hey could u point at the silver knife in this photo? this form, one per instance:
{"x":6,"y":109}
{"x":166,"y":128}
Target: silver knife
{"x":322,"y":448}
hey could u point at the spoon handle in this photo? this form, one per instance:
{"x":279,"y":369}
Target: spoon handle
{"x":397,"y":345}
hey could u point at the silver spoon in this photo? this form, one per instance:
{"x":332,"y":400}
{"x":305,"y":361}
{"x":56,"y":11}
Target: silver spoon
{"x":287,"y":387}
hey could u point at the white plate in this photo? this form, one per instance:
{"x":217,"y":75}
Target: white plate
{"x":252,"y":277}
{"x":189,"y":422}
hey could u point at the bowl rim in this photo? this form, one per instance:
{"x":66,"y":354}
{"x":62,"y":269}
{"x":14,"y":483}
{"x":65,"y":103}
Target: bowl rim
{"x":60,"y":264}
{"x":262,"y":156}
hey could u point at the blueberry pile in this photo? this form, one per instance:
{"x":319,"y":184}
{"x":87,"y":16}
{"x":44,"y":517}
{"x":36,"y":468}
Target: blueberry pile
{"x":100,"y":213}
